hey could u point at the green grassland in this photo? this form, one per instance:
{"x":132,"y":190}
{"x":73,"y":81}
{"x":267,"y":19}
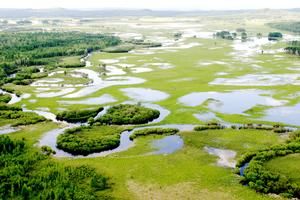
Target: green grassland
{"x":287,"y":165}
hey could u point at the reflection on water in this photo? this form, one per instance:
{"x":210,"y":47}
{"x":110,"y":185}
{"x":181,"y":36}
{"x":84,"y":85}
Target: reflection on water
{"x":235,"y":102}
{"x":286,"y":114}
{"x":167,"y":145}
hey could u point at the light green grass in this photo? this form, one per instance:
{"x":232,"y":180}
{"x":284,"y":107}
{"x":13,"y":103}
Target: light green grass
{"x":287,"y":165}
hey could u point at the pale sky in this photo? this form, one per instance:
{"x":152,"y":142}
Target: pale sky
{"x":153,"y":4}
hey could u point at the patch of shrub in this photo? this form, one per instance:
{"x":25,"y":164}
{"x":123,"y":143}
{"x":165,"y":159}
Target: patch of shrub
{"x":275,"y":36}
{"x":209,"y":126}
{"x":86,"y":139}
{"x":128,"y":114}
{"x":78,"y":115}
{"x":153,"y":131}
{"x":20,"y":117}
{"x":261,"y":179}
{"x":27,"y":174}
{"x":5,"y":98}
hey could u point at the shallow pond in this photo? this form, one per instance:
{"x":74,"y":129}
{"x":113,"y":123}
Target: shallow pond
{"x":104,"y":99}
{"x":98,"y":83}
{"x":226,"y":157}
{"x":145,"y":94}
{"x":14,"y":97}
{"x":8,"y":129}
{"x":207,"y":117}
{"x":259,"y":80}
{"x":167,"y":145}
{"x":234,"y":102}
{"x":285,"y":114}
{"x":49,"y":139}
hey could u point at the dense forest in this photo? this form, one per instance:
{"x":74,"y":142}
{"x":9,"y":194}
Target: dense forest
{"x":287,"y":26}
{"x":20,"y":50}
{"x":28,"y":174}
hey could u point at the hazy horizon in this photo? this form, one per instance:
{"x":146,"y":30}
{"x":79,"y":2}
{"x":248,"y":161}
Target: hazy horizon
{"x":179,"y":5}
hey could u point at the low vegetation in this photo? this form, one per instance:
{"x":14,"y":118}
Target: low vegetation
{"x":78,"y":115}
{"x":71,"y":62}
{"x":153,"y":131}
{"x":128,"y":114}
{"x":27,"y":174}
{"x":124,"y":48}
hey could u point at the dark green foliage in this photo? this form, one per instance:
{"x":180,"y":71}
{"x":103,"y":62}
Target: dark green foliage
{"x":293,"y":48}
{"x":26,"y":174}
{"x":224,"y":35}
{"x":265,"y":181}
{"x":86,"y":140}
{"x":78,"y":115}
{"x":6,"y":107}
{"x":287,"y":26}
{"x":128,"y":114}
{"x":275,"y":36}
{"x":47,"y":150}
{"x":145,"y":44}
{"x":154,"y":131}
{"x":5,"y":98}
{"x":244,"y":36}
{"x":209,"y":126}
{"x":18,"y":116}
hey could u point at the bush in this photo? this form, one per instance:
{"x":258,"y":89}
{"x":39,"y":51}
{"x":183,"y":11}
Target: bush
{"x":5,"y":98}
{"x":47,"y":150}
{"x":261,"y":179}
{"x":19,"y":117}
{"x":78,"y":115}
{"x":154,"y":131}
{"x":209,"y":126}
{"x":27,"y":174}
{"x":86,"y":140}
{"x":128,"y":114}
{"x":275,"y":36}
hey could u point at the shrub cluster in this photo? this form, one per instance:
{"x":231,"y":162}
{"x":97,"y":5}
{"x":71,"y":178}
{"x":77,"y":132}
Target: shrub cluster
{"x":19,"y":117}
{"x":5,"y":98}
{"x":265,"y":181}
{"x":27,"y":174}
{"x":86,"y":140}
{"x":153,"y":131}
{"x":128,"y":114}
{"x":209,"y":126}
{"x":78,"y":115}
{"x":275,"y":36}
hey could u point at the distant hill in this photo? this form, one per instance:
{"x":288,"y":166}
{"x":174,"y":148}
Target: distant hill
{"x":60,"y":12}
